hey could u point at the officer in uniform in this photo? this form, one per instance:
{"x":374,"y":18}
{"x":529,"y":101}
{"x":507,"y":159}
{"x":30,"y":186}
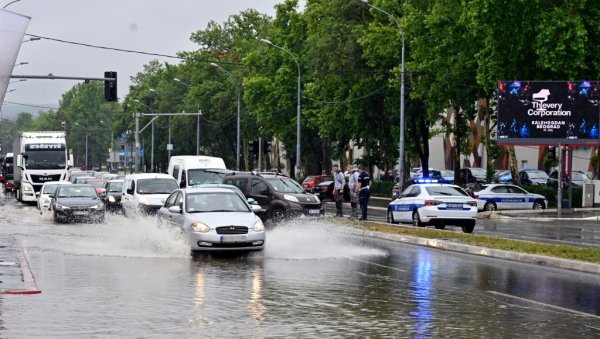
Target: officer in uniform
{"x":363,"y":191}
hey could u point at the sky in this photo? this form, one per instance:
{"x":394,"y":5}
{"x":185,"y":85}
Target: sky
{"x":154,"y":26}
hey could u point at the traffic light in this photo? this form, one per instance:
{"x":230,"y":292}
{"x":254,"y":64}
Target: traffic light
{"x":551,"y":152}
{"x":122,"y":146}
{"x":253,"y":147}
{"x":110,"y":86}
{"x":267,"y":146}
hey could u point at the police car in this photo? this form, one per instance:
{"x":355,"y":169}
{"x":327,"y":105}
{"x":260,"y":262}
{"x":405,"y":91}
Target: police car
{"x":428,"y":202}
{"x":508,"y":197}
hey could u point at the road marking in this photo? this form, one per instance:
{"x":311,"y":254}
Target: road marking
{"x":545,"y":305}
{"x":375,"y":264}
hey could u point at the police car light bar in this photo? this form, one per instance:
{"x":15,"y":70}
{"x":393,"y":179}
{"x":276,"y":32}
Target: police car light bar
{"x":426,"y":181}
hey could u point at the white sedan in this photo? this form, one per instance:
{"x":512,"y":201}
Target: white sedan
{"x":48,"y":188}
{"x":437,"y":204}
{"x":508,"y":197}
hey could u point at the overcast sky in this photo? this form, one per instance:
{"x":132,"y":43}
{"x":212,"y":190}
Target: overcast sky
{"x":155,"y":26}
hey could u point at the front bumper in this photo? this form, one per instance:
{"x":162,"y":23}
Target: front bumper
{"x":252,"y":241}
{"x":79,"y":214}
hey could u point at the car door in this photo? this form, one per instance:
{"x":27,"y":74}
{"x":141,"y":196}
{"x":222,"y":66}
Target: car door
{"x":501,"y":197}
{"x":260,"y":192}
{"x":173,"y":219}
{"x":408,"y":203}
{"x":520,"y":198}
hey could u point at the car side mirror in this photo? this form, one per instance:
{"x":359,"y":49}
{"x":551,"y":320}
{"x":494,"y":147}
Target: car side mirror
{"x":255,"y":208}
{"x":130,"y":191}
{"x":175,"y":209}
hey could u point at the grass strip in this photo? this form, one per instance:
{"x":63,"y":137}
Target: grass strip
{"x":559,"y":251}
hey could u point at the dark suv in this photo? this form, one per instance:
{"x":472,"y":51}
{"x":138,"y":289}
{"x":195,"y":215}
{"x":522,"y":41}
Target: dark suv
{"x":278,"y":195}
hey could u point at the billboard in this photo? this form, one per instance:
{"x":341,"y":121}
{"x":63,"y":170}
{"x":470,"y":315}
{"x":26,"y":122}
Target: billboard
{"x":12,"y":29}
{"x":548,"y":112}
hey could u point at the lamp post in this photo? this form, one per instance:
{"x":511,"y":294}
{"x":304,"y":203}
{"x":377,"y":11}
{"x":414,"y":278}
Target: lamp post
{"x":401,"y":142}
{"x":169,"y":145}
{"x":197,"y":119}
{"x":152,"y":142}
{"x":111,"y":143}
{"x":86,"y":144}
{"x":299,"y":109}
{"x":237,"y":146}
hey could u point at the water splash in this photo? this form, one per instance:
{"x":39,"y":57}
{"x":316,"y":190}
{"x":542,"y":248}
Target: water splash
{"x":314,"y":239}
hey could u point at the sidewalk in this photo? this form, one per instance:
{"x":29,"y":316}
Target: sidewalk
{"x":585,"y":213}
{"x":15,"y":274}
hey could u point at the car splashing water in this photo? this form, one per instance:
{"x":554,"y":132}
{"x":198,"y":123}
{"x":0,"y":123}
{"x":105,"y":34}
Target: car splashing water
{"x":138,"y":236}
{"x":313,"y":239}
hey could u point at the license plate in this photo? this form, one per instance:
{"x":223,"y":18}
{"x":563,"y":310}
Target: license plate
{"x":80,"y":213}
{"x":314,"y":212}
{"x":233,"y":238}
{"x":455,"y":206}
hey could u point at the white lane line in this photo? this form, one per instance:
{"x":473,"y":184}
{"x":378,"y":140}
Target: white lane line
{"x":545,"y":305}
{"x":375,"y":264}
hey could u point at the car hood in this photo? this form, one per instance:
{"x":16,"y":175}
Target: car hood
{"x":78,"y":201}
{"x":153,"y":199}
{"x":217,"y":219}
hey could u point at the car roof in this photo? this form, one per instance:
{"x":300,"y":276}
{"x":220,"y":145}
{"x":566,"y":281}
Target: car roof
{"x":57,"y":182}
{"x":149,"y":176}
{"x":116,"y":180}
{"x":208,"y":189}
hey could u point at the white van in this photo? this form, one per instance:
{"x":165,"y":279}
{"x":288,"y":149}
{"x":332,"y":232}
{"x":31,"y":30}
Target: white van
{"x":193,"y":170}
{"x":146,"y":192}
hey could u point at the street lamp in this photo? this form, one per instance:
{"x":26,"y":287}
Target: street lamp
{"x":111,"y":142}
{"x":169,"y":145}
{"x":401,"y":142}
{"x":197,"y":119}
{"x":298,"y":122}
{"x":152,"y":142}
{"x":237,"y":146}
{"x":86,"y":144}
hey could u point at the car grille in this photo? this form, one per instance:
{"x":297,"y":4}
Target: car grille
{"x":232,"y":230}
{"x":312,"y":207}
{"x":44,"y":178}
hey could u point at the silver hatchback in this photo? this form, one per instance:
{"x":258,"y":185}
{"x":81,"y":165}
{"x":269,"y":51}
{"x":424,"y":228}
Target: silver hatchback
{"x":214,"y":219}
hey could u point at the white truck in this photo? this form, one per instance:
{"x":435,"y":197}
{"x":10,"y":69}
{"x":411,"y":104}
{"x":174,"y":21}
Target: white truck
{"x":39,"y":157}
{"x":192,"y":170}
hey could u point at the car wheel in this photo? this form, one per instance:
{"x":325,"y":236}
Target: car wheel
{"x":390,"y":217}
{"x":468,"y":226}
{"x":439,"y":225}
{"x":489,"y":206}
{"x":55,"y":217}
{"x":416,"y":219}
{"x":278,"y":214}
{"x":538,"y":205}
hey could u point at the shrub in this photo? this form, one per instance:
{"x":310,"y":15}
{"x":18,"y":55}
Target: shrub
{"x":550,"y":194}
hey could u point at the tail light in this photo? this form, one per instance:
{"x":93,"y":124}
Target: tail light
{"x":472,"y":203}
{"x":432,"y":202}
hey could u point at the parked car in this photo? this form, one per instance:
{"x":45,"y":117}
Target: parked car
{"x":435,"y":176}
{"x":214,"y":219}
{"x":508,"y":197}
{"x":76,"y":203}
{"x":437,"y":204}
{"x":503,"y":177}
{"x":278,"y":195}
{"x":48,"y":189}
{"x":473,"y":174}
{"x":111,"y":197}
{"x":325,"y":190}
{"x":533,"y":177}
{"x":578,"y":179}
{"x":311,"y":181}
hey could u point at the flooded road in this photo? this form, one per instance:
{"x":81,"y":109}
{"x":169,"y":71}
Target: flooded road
{"x":131,"y":278}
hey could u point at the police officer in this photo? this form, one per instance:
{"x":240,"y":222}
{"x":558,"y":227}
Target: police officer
{"x":338,"y":190}
{"x":363,"y":191}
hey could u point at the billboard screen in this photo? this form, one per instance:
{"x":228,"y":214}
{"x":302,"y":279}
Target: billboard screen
{"x":548,"y":112}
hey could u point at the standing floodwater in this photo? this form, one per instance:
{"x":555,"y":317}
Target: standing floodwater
{"x":133,"y":278}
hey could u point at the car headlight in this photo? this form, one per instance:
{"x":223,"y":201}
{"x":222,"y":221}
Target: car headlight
{"x":259,"y":226}
{"x":60,"y":207}
{"x":318,"y":200}
{"x":144,"y":201}
{"x":199,"y":227}
{"x":95,"y":207}
{"x":290,"y":198}
{"x":27,"y":188}
{"x":111,"y":198}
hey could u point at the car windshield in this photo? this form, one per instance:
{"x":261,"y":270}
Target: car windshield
{"x":200,"y":176}
{"x":156,"y":186}
{"x":285,"y":185}
{"x":215,"y":202}
{"x":445,"y":190}
{"x":579,"y":176}
{"x":479,"y":172}
{"x":50,"y":188}
{"x":76,"y":192}
{"x":537,"y":175}
{"x":115,"y":186}
{"x":447,"y":173}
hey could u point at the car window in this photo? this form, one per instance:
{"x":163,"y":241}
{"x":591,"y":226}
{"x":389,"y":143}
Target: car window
{"x":407,"y":191}
{"x":172,"y":199}
{"x":516,"y":190}
{"x":499,"y":189}
{"x":156,"y":186}
{"x":50,"y":189}
{"x":537,"y":175}
{"x":446,"y":190}
{"x":115,"y":186}
{"x":259,"y":187}
{"x":239,"y":183}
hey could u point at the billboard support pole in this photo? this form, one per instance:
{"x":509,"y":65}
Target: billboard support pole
{"x":559,"y":177}
{"x":570,"y":177}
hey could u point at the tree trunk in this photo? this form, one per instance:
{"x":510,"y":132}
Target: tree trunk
{"x":512,"y":161}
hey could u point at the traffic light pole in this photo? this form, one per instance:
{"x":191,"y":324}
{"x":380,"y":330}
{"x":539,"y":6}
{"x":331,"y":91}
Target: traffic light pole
{"x":138,"y":130}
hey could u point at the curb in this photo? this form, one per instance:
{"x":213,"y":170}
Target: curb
{"x":30,"y":286}
{"x":540,"y":260}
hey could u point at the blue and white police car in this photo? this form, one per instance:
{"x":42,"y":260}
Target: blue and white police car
{"x":508,"y":197}
{"x":428,"y":202}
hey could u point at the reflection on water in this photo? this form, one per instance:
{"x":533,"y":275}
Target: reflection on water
{"x":136,"y":279}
